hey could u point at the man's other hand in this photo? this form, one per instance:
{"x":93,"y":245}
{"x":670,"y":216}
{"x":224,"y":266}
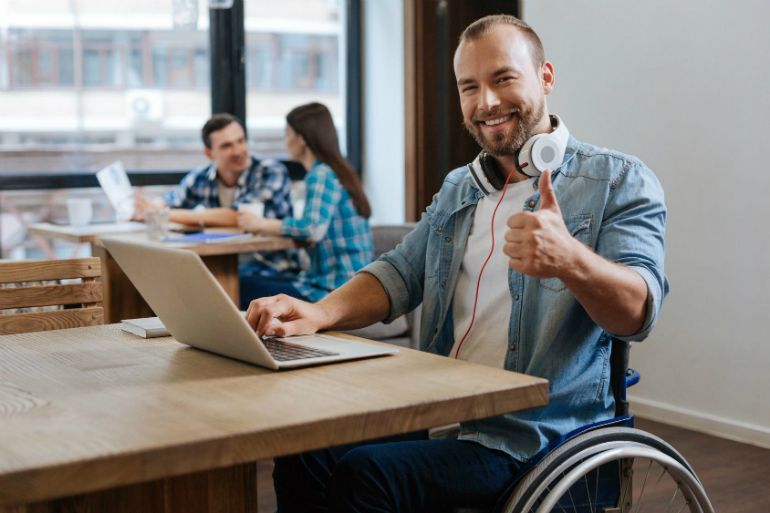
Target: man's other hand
{"x":284,"y":316}
{"x":538,"y":243}
{"x":143,"y":205}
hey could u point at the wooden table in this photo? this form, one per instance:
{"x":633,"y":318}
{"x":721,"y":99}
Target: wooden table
{"x":83,"y":234}
{"x":122,"y":300}
{"x":94,"y":419}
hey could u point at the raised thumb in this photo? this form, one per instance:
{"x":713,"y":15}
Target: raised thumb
{"x":547,"y":195}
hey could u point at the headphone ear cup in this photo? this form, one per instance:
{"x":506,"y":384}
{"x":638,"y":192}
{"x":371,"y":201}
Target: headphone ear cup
{"x":492,"y":171}
{"x":524,"y":160}
{"x":546,"y":154}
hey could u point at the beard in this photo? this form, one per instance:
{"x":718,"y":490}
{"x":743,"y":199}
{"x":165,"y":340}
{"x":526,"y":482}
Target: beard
{"x":510,"y":142}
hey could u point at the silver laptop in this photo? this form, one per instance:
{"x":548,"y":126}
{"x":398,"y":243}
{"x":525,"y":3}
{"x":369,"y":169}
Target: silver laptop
{"x":197,"y":311}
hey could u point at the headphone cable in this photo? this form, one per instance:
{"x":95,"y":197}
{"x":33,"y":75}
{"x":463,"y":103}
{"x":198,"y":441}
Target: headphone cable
{"x":484,"y":265}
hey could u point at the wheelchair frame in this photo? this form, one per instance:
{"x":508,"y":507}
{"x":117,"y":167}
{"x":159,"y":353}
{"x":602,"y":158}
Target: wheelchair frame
{"x":565,"y":467}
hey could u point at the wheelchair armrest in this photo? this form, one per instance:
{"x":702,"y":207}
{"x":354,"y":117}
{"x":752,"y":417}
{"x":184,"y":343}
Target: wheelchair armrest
{"x":632,"y":377}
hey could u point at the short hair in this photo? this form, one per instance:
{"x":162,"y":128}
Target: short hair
{"x":216,"y":123}
{"x":483,"y":25}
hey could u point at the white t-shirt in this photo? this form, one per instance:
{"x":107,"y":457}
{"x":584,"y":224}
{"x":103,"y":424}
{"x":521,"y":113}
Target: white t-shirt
{"x":226,"y":194}
{"x":488,"y":340}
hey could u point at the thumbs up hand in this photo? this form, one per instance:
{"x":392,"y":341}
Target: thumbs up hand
{"x":538,"y":243}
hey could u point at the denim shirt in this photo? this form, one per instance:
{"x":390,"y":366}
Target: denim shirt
{"x":614,"y":205}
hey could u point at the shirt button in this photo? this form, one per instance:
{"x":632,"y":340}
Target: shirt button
{"x":516,"y":297}
{"x":513,"y":348}
{"x":448,"y":239}
{"x":531,"y":203}
{"x":439,"y":229}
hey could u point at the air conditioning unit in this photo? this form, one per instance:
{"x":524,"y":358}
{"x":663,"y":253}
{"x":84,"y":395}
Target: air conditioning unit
{"x":144,"y":105}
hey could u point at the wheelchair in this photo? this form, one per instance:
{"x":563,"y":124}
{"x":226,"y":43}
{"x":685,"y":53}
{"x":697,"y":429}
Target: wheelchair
{"x":608,"y":467}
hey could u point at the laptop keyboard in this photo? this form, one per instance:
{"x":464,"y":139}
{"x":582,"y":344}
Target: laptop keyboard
{"x":285,"y":351}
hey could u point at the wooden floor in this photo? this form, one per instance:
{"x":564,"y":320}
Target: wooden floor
{"x":736,"y":476}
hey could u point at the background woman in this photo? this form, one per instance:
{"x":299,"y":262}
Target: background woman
{"x":335,"y":217}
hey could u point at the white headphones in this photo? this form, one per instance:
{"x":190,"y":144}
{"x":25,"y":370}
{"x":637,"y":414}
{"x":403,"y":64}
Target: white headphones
{"x":538,"y":153}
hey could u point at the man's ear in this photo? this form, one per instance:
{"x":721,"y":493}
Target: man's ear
{"x":207,"y":152}
{"x":547,"y":76}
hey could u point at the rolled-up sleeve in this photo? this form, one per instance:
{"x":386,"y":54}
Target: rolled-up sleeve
{"x":633,"y":232}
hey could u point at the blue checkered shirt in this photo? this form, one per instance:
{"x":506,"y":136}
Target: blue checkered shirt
{"x":343,"y":239}
{"x":265,"y":180}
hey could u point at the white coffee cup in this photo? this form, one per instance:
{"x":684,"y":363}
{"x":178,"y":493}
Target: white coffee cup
{"x":257,"y":208}
{"x":79,"y":211}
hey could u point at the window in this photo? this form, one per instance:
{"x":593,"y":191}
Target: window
{"x":294,"y":55}
{"x":83,"y":84}
{"x":39,"y":59}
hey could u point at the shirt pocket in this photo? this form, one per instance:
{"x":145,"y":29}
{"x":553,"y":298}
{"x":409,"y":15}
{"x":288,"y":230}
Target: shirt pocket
{"x":579,"y":226}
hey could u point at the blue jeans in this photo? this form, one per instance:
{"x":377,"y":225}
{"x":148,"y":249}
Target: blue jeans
{"x":256,"y":286}
{"x":395,"y":475}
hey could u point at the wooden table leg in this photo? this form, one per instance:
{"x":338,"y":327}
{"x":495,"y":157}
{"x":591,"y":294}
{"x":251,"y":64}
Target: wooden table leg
{"x":227,"y":490}
{"x":121,"y":299}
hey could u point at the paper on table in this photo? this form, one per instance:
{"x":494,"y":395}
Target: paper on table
{"x":103,"y":229}
{"x":114,"y":182}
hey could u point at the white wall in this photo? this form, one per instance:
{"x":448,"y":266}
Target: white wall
{"x":383,"y":159}
{"x":684,"y":86}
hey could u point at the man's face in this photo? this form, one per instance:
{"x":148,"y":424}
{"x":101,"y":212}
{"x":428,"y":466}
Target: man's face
{"x":502,"y":92}
{"x":229,"y":150}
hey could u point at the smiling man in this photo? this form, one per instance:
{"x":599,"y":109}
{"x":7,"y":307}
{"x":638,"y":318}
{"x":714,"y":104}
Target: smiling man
{"x":530,"y":258}
{"x":209,"y":195}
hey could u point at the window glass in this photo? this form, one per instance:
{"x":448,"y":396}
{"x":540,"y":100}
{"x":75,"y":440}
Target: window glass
{"x":293,"y":56}
{"x":86,"y":82}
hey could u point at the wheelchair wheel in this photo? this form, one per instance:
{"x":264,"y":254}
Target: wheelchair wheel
{"x":611,"y":470}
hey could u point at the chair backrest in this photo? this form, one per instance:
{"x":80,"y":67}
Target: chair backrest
{"x":34,"y":285}
{"x":387,"y":236}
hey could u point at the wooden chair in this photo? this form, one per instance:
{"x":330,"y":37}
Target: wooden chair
{"x":81,"y":303}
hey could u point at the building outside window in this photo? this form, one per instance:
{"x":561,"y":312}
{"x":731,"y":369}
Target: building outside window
{"x":86,"y":82}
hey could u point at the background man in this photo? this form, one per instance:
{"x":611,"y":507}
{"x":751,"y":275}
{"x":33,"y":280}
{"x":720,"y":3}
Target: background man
{"x":209,"y":195}
{"x":582,"y":253}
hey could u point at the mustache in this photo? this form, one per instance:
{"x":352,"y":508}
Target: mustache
{"x":484,"y":115}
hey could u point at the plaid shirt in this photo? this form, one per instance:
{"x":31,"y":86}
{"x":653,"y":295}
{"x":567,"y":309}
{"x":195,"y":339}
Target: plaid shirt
{"x":265,"y":180}
{"x":343,"y":239}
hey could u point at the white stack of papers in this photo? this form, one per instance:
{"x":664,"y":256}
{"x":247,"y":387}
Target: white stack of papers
{"x":114,"y":182}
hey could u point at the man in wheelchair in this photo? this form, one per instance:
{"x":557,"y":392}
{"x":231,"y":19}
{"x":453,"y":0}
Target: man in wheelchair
{"x":578,"y":233}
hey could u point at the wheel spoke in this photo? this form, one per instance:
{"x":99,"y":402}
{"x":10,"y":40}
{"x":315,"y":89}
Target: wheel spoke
{"x":626,"y":484}
{"x":673,"y":498}
{"x":644,"y":483}
{"x":588,"y":493}
{"x":685,"y":503}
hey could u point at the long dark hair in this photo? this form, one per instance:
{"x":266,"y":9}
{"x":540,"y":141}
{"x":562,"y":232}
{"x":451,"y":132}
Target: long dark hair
{"x":313,"y":122}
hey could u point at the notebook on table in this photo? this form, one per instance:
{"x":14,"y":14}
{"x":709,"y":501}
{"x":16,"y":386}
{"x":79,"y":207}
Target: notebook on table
{"x":145,"y":327}
{"x":208,"y":237}
{"x":198,"y":312}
